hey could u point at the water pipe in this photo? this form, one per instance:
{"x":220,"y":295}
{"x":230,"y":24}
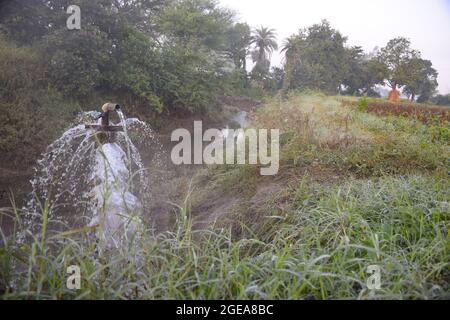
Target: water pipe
{"x":106,"y":109}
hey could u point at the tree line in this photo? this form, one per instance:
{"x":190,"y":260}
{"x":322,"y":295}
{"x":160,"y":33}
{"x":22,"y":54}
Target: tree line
{"x":173,"y":55}
{"x":178,"y":55}
{"x":318,"y":58}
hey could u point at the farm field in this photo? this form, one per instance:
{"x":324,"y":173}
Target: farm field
{"x":423,"y":112}
{"x":354,"y":190}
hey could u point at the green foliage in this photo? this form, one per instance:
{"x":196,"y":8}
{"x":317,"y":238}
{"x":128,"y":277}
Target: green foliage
{"x":319,"y":247}
{"x":363,"y":73}
{"x":173,"y":56}
{"x":440,"y":133}
{"x":406,"y":67}
{"x":25,"y":21}
{"x":265,"y":43}
{"x":363,"y":104}
{"x":316,"y":58}
{"x":199,"y":20}
{"x":421,"y":80}
{"x":239,"y":41}
{"x":67,"y":66}
{"x":135,"y":68}
{"x":192,"y":78}
{"x":26,"y":101}
{"x":292,"y":49}
{"x":167,"y":55}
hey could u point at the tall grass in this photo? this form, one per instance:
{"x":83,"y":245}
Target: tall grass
{"x":320,"y":249}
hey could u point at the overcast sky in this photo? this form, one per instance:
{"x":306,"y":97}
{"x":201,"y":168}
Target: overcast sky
{"x":367,"y":23}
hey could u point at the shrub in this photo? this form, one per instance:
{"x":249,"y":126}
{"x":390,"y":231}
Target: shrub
{"x":363,"y":104}
{"x":31,"y":113}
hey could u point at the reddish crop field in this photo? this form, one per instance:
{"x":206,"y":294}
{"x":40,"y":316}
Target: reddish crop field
{"x":421,"y":113}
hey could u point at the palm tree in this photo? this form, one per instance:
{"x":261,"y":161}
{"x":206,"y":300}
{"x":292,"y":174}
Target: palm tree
{"x":265,"y":43}
{"x":292,"y":50}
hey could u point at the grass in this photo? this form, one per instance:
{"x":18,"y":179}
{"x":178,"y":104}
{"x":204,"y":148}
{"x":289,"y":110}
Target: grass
{"x":312,"y":239}
{"x":319,"y":250}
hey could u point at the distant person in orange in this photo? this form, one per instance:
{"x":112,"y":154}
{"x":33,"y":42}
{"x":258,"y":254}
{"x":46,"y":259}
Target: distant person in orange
{"x":394,"y":96}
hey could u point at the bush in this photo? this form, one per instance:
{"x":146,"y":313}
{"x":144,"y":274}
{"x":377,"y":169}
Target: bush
{"x":76,"y":61}
{"x":363,"y":104}
{"x":32,"y":114}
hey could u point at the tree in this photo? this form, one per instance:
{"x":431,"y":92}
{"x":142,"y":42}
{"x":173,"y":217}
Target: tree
{"x":193,"y":45}
{"x":292,"y":55}
{"x":202,"y":21}
{"x":363,"y":72}
{"x":68,"y":69}
{"x":136,"y":68}
{"x":319,"y":51}
{"x":239,"y":42}
{"x":265,"y":43}
{"x":355,"y":78}
{"x":277,"y":78}
{"x":421,"y":79}
{"x":396,"y":57}
{"x":26,"y":21}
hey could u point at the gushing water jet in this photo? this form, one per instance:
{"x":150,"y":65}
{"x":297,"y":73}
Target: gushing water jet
{"x":93,"y":175}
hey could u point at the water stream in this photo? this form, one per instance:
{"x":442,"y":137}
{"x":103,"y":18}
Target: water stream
{"x":91,"y":178}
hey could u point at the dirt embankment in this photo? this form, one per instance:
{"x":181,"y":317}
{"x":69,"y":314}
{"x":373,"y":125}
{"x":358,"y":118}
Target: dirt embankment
{"x":172,"y":183}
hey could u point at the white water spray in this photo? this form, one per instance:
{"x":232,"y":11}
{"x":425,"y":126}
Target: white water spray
{"x":91,"y":178}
